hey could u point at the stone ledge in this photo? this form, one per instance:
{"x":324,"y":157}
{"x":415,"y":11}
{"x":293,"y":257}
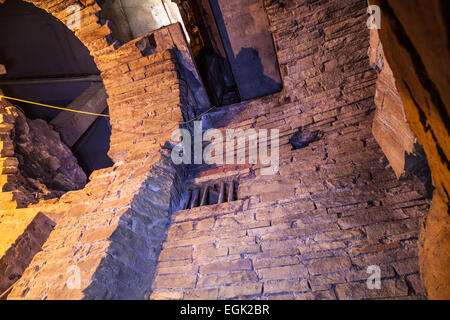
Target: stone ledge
{"x":204,"y":212}
{"x":23,"y":233}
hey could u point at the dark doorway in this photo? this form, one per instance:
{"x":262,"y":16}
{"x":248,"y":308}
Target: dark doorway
{"x":233,"y":48}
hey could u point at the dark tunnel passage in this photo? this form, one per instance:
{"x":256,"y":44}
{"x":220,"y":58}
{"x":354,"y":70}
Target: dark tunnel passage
{"x":46,"y":63}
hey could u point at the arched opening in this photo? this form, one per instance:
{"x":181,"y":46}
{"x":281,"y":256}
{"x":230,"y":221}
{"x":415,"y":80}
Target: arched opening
{"x":230,"y":41}
{"x":46,"y":63}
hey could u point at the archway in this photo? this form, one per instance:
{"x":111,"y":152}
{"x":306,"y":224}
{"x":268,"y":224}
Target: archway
{"x":48,"y":64}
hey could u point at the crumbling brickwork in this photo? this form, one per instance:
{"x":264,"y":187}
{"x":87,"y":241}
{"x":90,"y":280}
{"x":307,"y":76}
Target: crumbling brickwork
{"x":416,"y":45}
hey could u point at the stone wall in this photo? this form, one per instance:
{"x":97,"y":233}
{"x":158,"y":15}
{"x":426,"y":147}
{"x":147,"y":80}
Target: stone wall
{"x":415,"y":43}
{"x":23,"y":234}
{"x":334,"y":209}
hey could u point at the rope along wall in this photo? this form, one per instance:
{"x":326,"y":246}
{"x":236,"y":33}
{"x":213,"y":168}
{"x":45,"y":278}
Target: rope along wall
{"x":105,"y":115}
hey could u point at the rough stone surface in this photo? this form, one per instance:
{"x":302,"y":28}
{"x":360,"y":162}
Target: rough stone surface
{"x":335,"y":208}
{"x":22,"y":238}
{"x":45,"y":162}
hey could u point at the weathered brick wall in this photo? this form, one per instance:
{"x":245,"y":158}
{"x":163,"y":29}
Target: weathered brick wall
{"x":309,"y":232}
{"x":111,"y":231}
{"x":334,"y":209}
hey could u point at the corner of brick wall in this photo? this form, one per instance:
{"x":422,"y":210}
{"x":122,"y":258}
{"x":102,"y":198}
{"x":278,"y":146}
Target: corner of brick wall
{"x":110,"y":233}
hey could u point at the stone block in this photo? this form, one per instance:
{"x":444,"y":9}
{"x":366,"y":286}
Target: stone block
{"x":329,"y":265}
{"x":218,"y":267}
{"x":175,"y":281}
{"x":283,"y":273}
{"x":358,"y":291}
{"x":234,"y":291}
{"x":175,"y":254}
{"x":227,"y":278}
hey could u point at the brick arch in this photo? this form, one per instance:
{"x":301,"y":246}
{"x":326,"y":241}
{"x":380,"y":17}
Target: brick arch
{"x":123,"y":207}
{"x":112,"y":229}
{"x":96,"y":36}
{"x":113,"y":60}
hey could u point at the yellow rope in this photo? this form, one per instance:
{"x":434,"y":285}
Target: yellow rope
{"x":53,"y":107}
{"x":103,"y":115}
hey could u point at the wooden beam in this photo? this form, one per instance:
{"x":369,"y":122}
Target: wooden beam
{"x":72,"y":125}
{"x":48,"y":80}
{"x":231,"y":191}
{"x":204,"y":196}
{"x":186,"y":202}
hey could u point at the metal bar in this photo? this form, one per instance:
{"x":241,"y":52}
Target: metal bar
{"x":204,"y":196}
{"x":194,"y":200}
{"x":230,"y":191}
{"x":186,"y":201}
{"x":221,"y":192}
